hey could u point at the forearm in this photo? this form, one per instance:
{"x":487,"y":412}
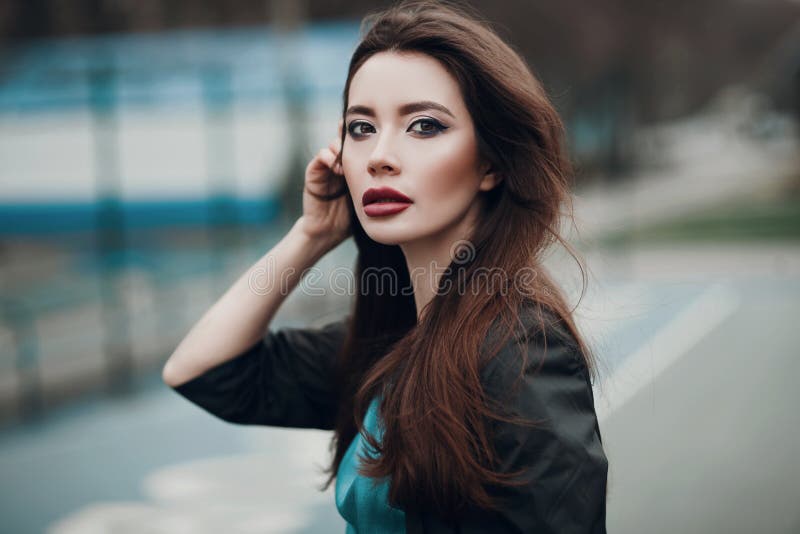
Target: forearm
{"x":243,"y":313}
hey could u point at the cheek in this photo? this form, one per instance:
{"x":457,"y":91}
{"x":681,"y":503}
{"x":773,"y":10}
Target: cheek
{"x":354,"y":155}
{"x":349,"y":168}
{"x":451,"y":170}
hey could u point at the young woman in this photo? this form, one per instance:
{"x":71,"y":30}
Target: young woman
{"x":458,"y":387}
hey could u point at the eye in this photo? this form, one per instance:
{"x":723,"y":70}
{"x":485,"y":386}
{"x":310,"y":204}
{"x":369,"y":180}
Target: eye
{"x":352,"y":128}
{"x":430,"y":128}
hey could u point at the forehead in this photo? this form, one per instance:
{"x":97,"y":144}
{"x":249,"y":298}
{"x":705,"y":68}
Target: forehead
{"x":388,"y":79}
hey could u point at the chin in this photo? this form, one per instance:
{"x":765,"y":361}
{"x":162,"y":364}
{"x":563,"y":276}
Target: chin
{"x":386,"y":236}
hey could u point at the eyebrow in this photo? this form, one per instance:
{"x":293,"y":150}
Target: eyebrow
{"x":405,"y":109}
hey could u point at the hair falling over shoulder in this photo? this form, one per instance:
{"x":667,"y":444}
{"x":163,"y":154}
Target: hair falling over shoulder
{"x":443,"y":458}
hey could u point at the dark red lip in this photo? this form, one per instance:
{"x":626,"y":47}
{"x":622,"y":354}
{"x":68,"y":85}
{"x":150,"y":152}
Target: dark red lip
{"x":375,"y":194}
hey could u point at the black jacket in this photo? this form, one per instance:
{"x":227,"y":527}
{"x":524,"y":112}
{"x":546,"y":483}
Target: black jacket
{"x":284,"y":380}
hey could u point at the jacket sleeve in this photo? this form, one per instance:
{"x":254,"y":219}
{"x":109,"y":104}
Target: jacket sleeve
{"x":285,"y":379}
{"x":562,"y":460}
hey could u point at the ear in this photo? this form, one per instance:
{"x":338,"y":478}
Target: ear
{"x":490,"y":179}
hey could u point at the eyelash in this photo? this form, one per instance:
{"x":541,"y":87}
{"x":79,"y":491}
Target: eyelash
{"x":438,"y":127}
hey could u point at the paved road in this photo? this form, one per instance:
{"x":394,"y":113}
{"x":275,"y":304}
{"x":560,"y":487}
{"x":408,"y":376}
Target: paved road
{"x":696,"y":407}
{"x":710,"y":444}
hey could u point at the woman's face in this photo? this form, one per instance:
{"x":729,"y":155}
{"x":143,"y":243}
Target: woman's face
{"x":407,"y":128}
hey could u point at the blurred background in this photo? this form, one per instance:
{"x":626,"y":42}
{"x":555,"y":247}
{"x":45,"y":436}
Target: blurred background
{"x":152,"y":150}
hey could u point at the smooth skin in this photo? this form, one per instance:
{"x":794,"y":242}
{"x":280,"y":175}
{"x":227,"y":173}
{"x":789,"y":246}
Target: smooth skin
{"x":430,"y":155}
{"x":244,"y":312}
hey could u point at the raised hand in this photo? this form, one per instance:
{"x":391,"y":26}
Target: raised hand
{"x":325,"y":219}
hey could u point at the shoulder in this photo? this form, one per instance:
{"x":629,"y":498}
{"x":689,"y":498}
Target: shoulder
{"x":540,"y":375}
{"x":539,"y":342}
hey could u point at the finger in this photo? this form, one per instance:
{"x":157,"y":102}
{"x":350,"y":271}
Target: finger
{"x":335,"y":166}
{"x":335,"y":146}
{"x":341,"y":125}
{"x":320,"y":160}
{"x":328,"y":157}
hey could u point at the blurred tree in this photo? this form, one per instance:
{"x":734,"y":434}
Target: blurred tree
{"x":289,"y":16}
{"x":646,"y":61}
{"x":680,"y":52}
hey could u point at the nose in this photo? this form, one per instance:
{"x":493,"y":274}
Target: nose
{"x":382,"y":160}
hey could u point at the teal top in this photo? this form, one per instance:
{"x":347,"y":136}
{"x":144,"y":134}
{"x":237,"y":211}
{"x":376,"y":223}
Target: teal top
{"x":362,"y":502}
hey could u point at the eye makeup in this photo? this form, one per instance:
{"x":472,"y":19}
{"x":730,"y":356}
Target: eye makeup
{"x":431,"y":127}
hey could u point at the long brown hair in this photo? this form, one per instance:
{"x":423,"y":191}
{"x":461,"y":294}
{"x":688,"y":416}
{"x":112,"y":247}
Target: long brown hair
{"x":436,"y":446}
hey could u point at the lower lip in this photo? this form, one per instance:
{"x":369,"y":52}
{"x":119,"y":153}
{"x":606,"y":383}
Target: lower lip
{"x":379,"y":209}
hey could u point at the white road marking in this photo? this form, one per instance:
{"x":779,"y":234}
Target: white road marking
{"x":668,"y":345}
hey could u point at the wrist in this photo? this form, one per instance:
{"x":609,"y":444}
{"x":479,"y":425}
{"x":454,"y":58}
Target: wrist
{"x":316,"y":247}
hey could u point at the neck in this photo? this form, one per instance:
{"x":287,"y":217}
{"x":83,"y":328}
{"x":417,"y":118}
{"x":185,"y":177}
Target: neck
{"x":428,"y":258}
